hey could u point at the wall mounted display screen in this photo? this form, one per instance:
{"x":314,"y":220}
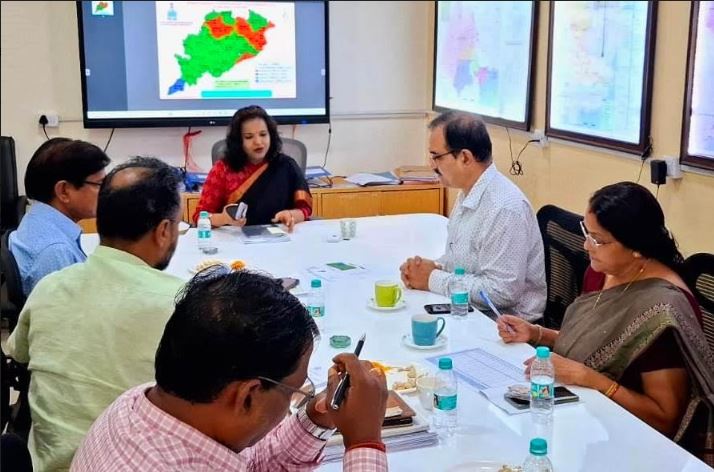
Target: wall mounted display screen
{"x":600,"y":67}
{"x":196,"y":62}
{"x":483,"y":59}
{"x":698,"y":129}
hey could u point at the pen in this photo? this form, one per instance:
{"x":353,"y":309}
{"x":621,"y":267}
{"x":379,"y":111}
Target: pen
{"x":344,"y":382}
{"x":493,"y":308}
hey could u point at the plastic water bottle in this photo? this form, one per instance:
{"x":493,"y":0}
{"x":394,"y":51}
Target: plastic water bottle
{"x":538,"y":460}
{"x":316,"y":300}
{"x":542,"y":379}
{"x":205,"y":243}
{"x":445,"y":396}
{"x":459,"y":294}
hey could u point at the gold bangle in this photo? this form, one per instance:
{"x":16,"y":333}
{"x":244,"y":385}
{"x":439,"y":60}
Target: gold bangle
{"x":540,"y":334}
{"x":610,"y":392}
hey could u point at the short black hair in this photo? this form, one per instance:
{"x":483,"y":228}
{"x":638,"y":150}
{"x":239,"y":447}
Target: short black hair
{"x":235,"y":156}
{"x":465,"y":131}
{"x":230,"y":326}
{"x":129,"y":212}
{"x":60,"y":159}
{"x":635,"y":219}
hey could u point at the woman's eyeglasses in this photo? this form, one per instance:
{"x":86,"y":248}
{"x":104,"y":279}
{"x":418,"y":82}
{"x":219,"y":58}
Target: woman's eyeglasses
{"x":588,"y":237}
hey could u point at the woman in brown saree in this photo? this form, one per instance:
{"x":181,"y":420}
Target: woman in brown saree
{"x":255,"y":172}
{"x":637,"y":339}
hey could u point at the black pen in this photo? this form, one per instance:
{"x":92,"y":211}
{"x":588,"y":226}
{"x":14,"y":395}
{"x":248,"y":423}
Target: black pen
{"x":344,"y":383}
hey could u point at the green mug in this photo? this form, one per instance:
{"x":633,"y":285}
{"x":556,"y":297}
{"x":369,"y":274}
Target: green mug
{"x":387,"y":293}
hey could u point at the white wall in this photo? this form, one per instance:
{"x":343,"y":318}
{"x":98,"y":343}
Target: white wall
{"x":380,"y":83}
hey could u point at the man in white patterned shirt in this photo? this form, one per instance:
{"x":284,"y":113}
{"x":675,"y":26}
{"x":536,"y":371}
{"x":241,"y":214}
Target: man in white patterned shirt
{"x":234,"y":352}
{"x":492,"y":233}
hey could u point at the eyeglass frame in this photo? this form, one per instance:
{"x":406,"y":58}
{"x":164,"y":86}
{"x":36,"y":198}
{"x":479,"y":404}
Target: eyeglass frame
{"x":589,"y":237}
{"x":439,"y":156}
{"x":308,"y":396}
{"x":98,"y":184}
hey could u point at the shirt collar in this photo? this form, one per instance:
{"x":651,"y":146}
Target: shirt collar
{"x":472,"y":199}
{"x":106,"y":252}
{"x":63,"y":223}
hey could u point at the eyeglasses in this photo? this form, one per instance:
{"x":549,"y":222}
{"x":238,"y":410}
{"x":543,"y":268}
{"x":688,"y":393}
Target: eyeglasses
{"x":439,"y":156}
{"x":588,"y":237}
{"x":308,"y":395}
{"x":98,"y":184}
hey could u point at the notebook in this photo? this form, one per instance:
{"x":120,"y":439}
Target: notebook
{"x":263,"y":234}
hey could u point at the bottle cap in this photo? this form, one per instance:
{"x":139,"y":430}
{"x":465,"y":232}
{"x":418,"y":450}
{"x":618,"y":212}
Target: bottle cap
{"x":203,"y":214}
{"x":445,"y":363}
{"x":539,"y":447}
{"x":542,"y":352}
{"x":316,"y":283}
{"x":459,"y":271}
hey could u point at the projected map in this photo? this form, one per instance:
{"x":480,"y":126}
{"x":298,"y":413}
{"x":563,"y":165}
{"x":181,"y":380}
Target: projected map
{"x":701,"y":127}
{"x":598,"y":56}
{"x":209,"y":51}
{"x":483,"y":57}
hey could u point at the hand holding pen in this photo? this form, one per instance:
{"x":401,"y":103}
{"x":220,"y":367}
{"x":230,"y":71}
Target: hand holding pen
{"x":499,"y":317}
{"x":344,"y":382}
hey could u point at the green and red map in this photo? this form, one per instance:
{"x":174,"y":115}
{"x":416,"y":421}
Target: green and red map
{"x":222,"y":43}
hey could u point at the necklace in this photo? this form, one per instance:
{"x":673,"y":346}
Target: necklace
{"x":637,"y":276}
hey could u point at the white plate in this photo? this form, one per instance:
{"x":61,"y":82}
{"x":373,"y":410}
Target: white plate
{"x":479,"y":466}
{"x":400,"y":304}
{"x":399,"y":373}
{"x":440,"y":342}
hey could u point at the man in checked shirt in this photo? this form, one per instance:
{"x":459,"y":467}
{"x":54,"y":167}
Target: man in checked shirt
{"x":234,"y":352}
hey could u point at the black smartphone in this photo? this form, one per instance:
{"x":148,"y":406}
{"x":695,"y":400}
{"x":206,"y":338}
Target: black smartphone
{"x":441,"y":308}
{"x":237,"y":210}
{"x":562,"y":395}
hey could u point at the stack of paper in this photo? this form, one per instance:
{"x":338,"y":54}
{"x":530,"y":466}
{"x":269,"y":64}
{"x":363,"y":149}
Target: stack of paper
{"x":383,"y":178}
{"x":416,"y":174}
{"x":414,"y":436}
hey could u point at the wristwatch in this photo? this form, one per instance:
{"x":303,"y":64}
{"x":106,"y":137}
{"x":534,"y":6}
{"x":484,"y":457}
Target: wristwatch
{"x":308,"y":425}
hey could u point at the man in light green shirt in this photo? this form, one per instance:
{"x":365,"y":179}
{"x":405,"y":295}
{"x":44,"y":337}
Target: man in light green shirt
{"x":90,"y":331}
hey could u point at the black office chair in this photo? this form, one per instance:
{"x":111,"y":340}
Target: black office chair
{"x":12,"y":205}
{"x":13,"y":283}
{"x":698,"y":273}
{"x":565,"y":260}
{"x":291,"y":147}
{"x":16,"y":415}
{"x":14,"y":454}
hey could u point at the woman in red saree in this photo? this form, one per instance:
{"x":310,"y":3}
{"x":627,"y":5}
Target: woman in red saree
{"x":637,"y":337}
{"x":255,"y":172}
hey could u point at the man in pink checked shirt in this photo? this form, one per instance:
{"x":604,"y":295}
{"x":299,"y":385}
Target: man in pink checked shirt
{"x":232,"y":355}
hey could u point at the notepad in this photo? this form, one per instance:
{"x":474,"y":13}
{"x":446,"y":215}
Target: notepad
{"x":483,"y":370}
{"x":263,"y":234}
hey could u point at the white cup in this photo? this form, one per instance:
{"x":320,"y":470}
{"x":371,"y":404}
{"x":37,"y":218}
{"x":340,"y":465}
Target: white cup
{"x":425,"y":386}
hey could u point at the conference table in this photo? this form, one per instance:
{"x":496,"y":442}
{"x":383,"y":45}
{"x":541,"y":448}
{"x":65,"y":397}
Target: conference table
{"x":594,"y":435}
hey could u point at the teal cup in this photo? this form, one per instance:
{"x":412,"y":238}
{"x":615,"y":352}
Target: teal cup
{"x":425,"y":329}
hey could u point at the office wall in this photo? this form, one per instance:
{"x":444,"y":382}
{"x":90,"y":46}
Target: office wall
{"x":566,"y":174}
{"x":378,"y":58}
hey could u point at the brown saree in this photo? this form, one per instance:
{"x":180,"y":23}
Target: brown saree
{"x":610,"y":337}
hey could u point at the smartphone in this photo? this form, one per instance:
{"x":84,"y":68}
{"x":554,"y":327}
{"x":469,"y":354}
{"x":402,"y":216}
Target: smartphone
{"x":562,"y":395}
{"x":441,"y":308}
{"x":237,"y":210}
{"x":289,"y":282}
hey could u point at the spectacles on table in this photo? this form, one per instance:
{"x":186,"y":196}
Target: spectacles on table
{"x":589,"y":237}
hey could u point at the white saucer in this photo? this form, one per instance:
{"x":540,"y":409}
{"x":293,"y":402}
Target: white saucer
{"x":440,"y":342}
{"x":400,"y":304}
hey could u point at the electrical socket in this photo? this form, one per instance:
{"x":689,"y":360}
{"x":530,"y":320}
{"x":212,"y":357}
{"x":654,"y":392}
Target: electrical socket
{"x":674,"y":168}
{"x":52,"y":119}
{"x":541,"y":137}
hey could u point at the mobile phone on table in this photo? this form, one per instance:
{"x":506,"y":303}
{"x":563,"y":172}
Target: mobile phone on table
{"x":562,"y":395}
{"x":441,"y":308}
{"x":237,"y":210}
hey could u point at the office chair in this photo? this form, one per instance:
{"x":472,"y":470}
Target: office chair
{"x":16,"y":416}
{"x":698,"y":272}
{"x":291,"y":147}
{"x":13,"y":283}
{"x":12,"y":206}
{"x":565,"y":260}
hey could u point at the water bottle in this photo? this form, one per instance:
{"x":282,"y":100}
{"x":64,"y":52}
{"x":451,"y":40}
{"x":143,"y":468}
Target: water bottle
{"x":459,"y":294}
{"x":316,"y":300}
{"x":445,"y":395}
{"x":205,"y":244}
{"x":538,"y":460}
{"x":542,"y":379}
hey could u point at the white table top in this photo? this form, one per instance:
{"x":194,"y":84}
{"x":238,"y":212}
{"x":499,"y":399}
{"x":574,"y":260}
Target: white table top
{"x":593,"y":435}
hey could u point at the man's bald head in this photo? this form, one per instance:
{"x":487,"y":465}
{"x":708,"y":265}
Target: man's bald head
{"x":135,"y":197}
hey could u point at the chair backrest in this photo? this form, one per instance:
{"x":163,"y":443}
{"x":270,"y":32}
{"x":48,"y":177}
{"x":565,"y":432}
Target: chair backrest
{"x":13,"y":282}
{"x":291,"y":147}
{"x":10,"y":210}
{"x":698,"y":273}
{"x":565,"y":260}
